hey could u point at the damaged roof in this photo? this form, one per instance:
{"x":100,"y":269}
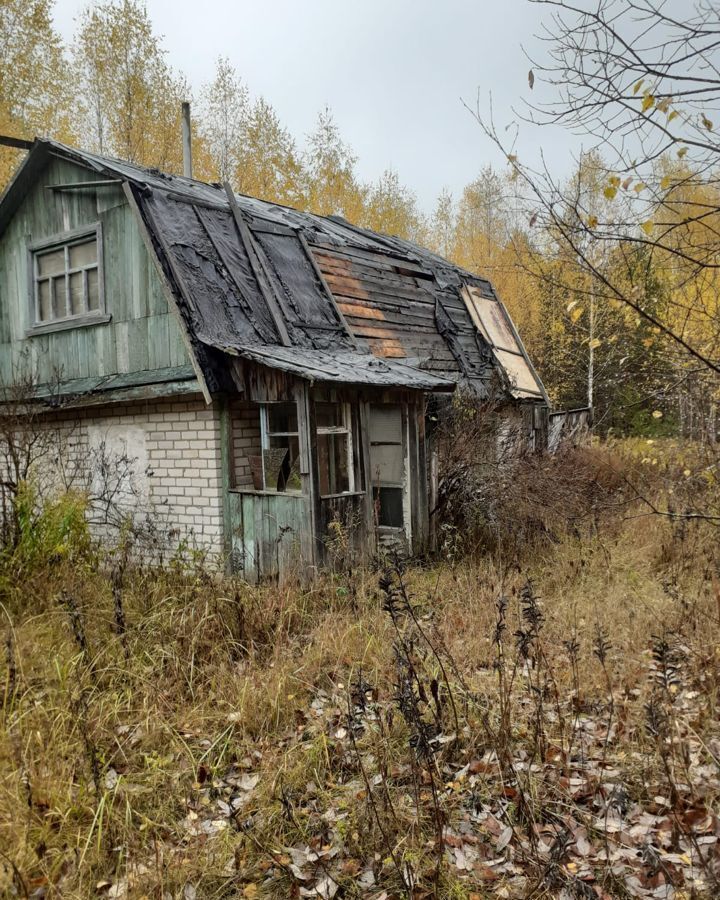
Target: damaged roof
{"x":310,"y":295}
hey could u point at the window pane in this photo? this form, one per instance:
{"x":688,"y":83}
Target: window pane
{"x":44,"y":310}
{"x":52,"y":263}
{"x":77,"y":302}
{"x":333,"y":463}
{"x":329,"y":415}
{"x":386,"y":424}
{"x":388,"y":507}
{"x":82,"y":255}
{"x":386,"y":464}
{"x":282,"y":417}
{"x":60,"y":297}
{"x":93,"y":289}
{"x":282,"y":464}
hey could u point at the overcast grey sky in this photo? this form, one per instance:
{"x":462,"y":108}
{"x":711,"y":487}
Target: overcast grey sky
{"x":392,"y":71}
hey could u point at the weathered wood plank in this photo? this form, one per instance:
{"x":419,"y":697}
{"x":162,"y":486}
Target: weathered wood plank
{"x":377,"y":258}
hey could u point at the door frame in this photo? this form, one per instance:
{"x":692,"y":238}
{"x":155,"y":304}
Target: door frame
{"x":405,"y":530}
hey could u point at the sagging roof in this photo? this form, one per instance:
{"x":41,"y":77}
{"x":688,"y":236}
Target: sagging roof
{"x":307,"y":294}
{"x":349,"y":367}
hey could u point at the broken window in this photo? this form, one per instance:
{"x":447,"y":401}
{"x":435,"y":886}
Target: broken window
{"x":67,"y":279}
{"x":493,"y":321}
{"x":387,"y":459}
{"x":280,"y":447}
{"x":334,"y":448}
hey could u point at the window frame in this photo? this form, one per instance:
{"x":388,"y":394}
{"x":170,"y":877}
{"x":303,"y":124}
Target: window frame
{"x":65,"y":241}
{"x":266,"y":434}
{"x":345,"y":428}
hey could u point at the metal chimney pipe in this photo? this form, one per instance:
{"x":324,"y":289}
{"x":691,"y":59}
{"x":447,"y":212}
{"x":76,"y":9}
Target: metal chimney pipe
{"x":186,"y":141}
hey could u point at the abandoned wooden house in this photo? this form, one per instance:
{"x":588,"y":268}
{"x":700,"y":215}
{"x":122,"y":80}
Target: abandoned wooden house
{"x":269,"y":370}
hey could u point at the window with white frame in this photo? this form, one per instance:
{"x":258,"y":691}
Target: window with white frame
{"x":67,"y":283}
{"x":280,"y":447}
{"x":334,"y":448}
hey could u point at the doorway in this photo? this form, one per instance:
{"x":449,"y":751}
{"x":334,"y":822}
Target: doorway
{"x":389,"y":475}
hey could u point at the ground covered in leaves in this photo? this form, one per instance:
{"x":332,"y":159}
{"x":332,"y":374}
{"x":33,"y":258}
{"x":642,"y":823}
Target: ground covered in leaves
{"x":528,"y":726}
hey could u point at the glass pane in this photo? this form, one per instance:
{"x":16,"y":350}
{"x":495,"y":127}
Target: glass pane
{"x":52,"y":263}
{"x":44,"y":311}
{"x":93,"y":289}
{"x":333,"y":463}
{"x":386,"y":464}
{"x":82,"y":255}
{"x":329,"y":415}
{"x":77,"y":301}
{"x":386,"y":424}
{"x":282,"y":417}
{"x":60,"y":297}
{"x":388,"y":507}
{"x":518,"y":371}
{"x":282,"y":464}
{"x":496,"y":326}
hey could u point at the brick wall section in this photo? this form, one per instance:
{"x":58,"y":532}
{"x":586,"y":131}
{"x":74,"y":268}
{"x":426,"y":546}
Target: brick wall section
{"x":245,"y":439}
{"x":175,"y":468}
{"x":183,"y":448}
{"x":174,"y":446}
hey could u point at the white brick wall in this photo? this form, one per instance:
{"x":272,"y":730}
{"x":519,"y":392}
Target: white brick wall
{"x":183,"y":447}
{"x":245,"y":440}
{"x":168,"y":453}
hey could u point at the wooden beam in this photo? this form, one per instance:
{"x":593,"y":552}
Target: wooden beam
{"x":227,"y":477}
{"x":17,"y":143}
{"x":321,"y":279}
{"x":258,"y":270}
{"x":167,"y":288}
{"x":363,"y":406}
{"x":77,"y":185}
{"x":307,"y":436}
{"x":81,"y":400}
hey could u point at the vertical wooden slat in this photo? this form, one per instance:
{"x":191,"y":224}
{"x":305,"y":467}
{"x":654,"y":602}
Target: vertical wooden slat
{"x":364,"y":446}
{"x":227,"y":480}
{"x":422,"y":514}
{"x":308,"y":434}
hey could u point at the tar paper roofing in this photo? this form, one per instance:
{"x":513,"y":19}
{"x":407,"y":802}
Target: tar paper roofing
{"x":310,"y":295}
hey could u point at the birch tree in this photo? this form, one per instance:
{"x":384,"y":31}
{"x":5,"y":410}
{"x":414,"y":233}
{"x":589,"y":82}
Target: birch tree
{"x":131,"y":98}
{"x":392,"y":208}
{"x":34,"y":89}
{"x":332,"y":185}
{"x":223,"y":121}
{"x":269,"y":165}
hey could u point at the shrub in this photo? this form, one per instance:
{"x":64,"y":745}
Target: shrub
{"x":47,"y":531}
{"x":496,"y":492}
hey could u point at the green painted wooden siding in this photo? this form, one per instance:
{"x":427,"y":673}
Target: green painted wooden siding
{"x":143,"y":333}
{"x":271,"y":536}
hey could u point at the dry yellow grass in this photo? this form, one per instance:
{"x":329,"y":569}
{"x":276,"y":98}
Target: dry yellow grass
{"x":194,"y":755}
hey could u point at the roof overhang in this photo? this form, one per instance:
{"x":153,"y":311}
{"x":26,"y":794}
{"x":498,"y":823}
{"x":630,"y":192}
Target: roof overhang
{"x":101,"y":390}
{"x":351,"y":368}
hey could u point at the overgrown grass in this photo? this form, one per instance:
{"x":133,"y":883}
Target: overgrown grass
{"x":454,"y":730}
